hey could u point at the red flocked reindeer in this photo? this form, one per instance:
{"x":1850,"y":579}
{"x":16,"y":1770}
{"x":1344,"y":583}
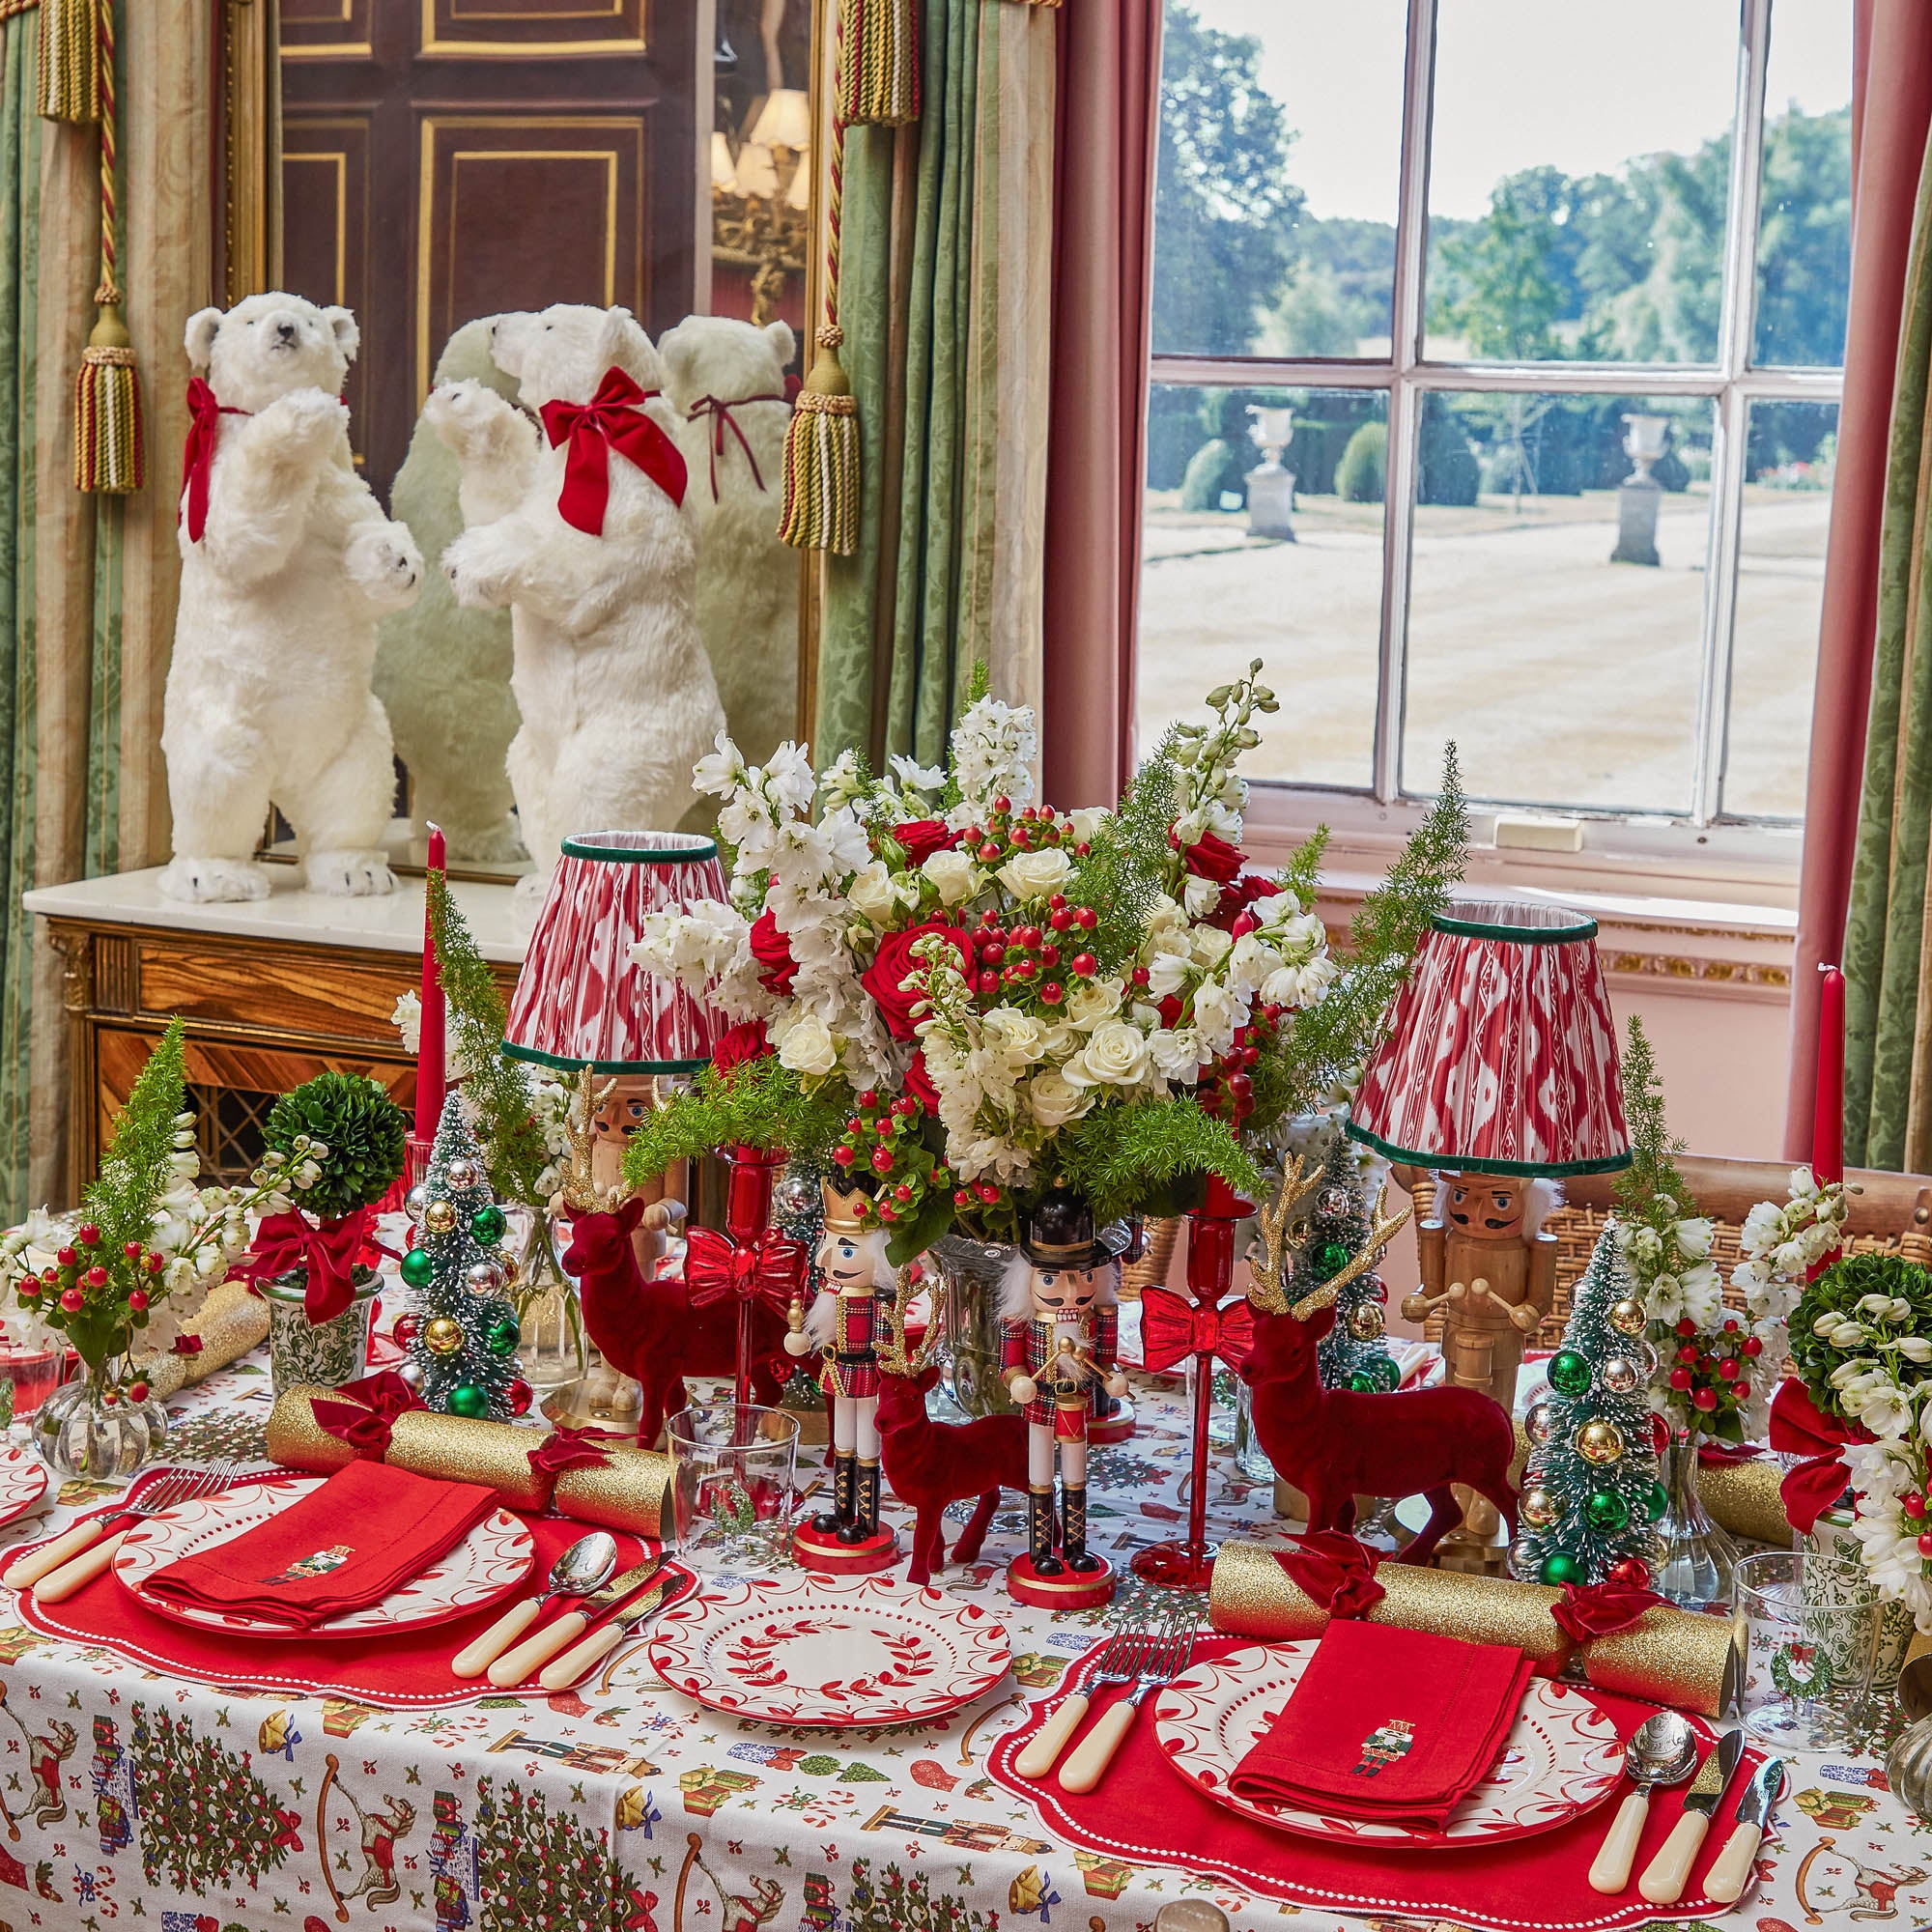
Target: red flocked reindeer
{"x":929,"y":1463}
{"x":648,"y":1329}
{"x":1335,"y":1444}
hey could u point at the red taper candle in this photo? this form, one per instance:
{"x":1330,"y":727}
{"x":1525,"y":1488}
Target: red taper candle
{"x":1827,"y":1130}
{"x":430,"y":1078}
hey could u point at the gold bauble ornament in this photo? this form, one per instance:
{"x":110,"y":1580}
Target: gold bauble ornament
{"x":439,"y":1216}
{"x":1365,"y":1321}
{"x":443,"y":1335}
{"x":1600,"y":1442}
{"x":1627,"y":1317}
{"x":1540,"y":1508}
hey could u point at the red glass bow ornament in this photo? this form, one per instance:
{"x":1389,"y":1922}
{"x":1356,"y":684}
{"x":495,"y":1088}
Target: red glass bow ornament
{"x":1173,"y":1328}
{"x":1590,"y":1611}
{"x":767,"y":1268}
{"x":1334,"y":1572}
{"x":613,"y":418}
{"x":204,"y":429}
{"x":1799,"y":1427}
{"x":285,"y":1243}
{"x":366,"y":1420}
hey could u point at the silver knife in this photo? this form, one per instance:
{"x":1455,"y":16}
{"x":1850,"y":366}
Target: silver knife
{"x":577,"y":1662}
{"x":1727,"y":1880}
{"x":618,"y":1589}
{"x":1663,"y":1879}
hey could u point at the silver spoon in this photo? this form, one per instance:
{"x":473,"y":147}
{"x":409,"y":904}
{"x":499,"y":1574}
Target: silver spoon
{"x":580,"y":1570}
{"x":1662,"y":1749}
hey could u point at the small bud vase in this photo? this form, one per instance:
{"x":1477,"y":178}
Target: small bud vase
{"x":91,"y":1427}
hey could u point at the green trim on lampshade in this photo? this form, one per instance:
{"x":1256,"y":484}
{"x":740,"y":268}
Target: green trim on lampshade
{"x":584,"y":846}
{"x":568,"y":1063}
{"x":1522,"y":936}
{"x":1453,"y":1163}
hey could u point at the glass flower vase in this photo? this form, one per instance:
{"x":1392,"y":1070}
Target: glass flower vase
{"x":91,"y":1427}
{"x":1698,"y":1557}
{"x":971,"y":1273}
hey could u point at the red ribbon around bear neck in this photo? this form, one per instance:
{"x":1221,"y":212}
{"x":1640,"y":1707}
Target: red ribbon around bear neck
{"x":1172,"y":1330}
{"x":721,"y":419}
{"x":766,"y":1270}
{"x":613,"y":418}
{"x":204,"y":429}
{"x":285,"y":1243}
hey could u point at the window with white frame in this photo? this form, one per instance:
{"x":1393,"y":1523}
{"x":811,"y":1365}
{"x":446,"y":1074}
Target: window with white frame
{"x":1496,"y":361}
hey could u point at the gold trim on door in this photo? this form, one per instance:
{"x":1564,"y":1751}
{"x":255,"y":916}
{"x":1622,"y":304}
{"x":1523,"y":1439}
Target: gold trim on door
{"x":629,"y":43}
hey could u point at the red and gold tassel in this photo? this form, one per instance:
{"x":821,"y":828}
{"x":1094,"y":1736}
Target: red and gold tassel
{"x":879,"y":62}
{"x":69,"y":60}
{"x":108,"y":457}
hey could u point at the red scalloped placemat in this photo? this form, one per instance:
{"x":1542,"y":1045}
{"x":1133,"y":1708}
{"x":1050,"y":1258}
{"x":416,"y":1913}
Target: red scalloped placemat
{"x":405,"y":1671}
{"x":1145,"y":1814}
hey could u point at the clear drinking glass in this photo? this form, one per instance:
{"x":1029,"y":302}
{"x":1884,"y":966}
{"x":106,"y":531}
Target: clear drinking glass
{"x":732,"y":1472}
{"x":1811,"y":1625}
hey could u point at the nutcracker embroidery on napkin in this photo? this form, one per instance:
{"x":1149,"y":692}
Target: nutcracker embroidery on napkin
{"x":318,"y":1563}
{"x":1384,"y":1745}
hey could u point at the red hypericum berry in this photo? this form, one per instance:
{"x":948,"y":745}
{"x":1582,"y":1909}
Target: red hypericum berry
{"x":1049,"y":955}
{"x":137,"y":1391}
{"x":1242,"y":1089}
{"x":987,"y":1192}
{"x":989,"y":917}
{"x":1244,"y":923}
{"x":1022,"y":839}
{"x":988,"y":852}
{"x":1052,"y":992}
{"x":132,"y":1251}
{"x":994,"y":953}
{"x":74,"y":1301}
{"x":110,"y":1397}
{"x":94,"y":1277}
{"x":1141,"y":976}
{"x":138,"y":1300}
{"x":88,"y":1234}
{"x":1085,"y":917}
{"x":883,"y":1128}
{"x":882,"y":1160}
{"x":1741,"y":1390}
{"x":1913,"y":1503}
{"x":870,"y":1098}
{"x":1686,"y":1328}
{"x":155,"y":1261}
{"x":1705,"y":1399}
{"x":29,"y":1290}
{"x":903,"y":1193}
{"x":1082,"y":849}
{"x":843,"y":1155}
{"x":1753,"y":1347}
{"x":67,"y":1257}
{"x":887,"y":1211}
{"x":1925,"y":1544}
{"x":1057,"y":900}
{"x":1023,"y":969}
{"x":1729,"y":1369}
{"x":1686,"y":1355}
{"x":1003,"y":803}
{"x":1210,"y":1100}
{"x":961,"y":1199}
{"x":989,"y":984}
{"x":1680,"y":1378}
{"x":1085,"y":965}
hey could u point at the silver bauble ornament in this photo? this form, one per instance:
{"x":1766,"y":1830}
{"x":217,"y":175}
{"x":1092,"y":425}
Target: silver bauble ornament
{"x":412,"y":1373}
{"x":1621,"y":1375}
{"x":1627,"y":1317}
{"x":1333,"y":1202}
{"x":415,"y":1201}
{"x":484,"y":1277}
{"x":1535,"y":1422}
{"x":1525,"y":1559}
{"x":460,"y":1172}
{"x":796,"y":1196}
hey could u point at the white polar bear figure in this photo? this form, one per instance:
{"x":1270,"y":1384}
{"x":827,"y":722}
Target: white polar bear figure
{"x":287,"y":562}
{"x":727,"y":382}
{"x":444,"y":673}
{"x":609,"y":673}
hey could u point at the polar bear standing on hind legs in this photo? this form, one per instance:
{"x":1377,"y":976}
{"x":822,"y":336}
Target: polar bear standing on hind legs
{"x":287,"y":562}
{"x":591,"y":543}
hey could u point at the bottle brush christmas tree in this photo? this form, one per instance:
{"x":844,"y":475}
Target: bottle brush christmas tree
{"x":462,"y":1338}
{"x":1353,"y":1354}
{"x":1590,"y":1491}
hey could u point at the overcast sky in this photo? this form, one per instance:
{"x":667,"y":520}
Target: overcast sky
{"x":1520,"y":82}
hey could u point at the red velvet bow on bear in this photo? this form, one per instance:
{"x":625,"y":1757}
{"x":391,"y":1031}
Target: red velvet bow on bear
{"x":570,"y":1449}
{"x":1334,"y":1572}
{"x":285,"y":1243}
{"x":613,"y":418}
{"x":366,"y":1428}
{"x":1799,"y":1427}
{"x":1590,"y":1611}
{"x":204,"y":426}
{"x":766,"y":1270}
{"x":1173,"y":1328}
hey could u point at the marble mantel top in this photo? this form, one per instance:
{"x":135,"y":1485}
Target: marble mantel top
{"x":392,"y":923}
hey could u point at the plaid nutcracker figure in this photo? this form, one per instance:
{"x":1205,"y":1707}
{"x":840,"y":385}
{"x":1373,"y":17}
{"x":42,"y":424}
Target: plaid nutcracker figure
{"x":856,"y":1281}
{"x":1058,"y":1323}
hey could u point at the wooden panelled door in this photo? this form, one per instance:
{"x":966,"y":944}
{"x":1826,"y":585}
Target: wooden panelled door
{"x":445,"y":159}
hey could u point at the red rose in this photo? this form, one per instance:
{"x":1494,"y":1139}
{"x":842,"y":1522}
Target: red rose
{"x":919,"y":1084}
{"x":1212,"y":857}
{"x":772,"y":950}
{"x":922,"y":838}
{"x":893,"y":964}
{"x":1238,"y":897}
{"x":739,"y":1043}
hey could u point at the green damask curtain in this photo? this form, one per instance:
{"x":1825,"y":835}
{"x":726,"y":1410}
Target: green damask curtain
{"x":942,"y":284}
{"x":1888,"y":966}
{"x":19,"y":296}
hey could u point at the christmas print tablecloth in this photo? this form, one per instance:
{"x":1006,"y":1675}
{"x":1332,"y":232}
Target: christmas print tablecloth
{"x":624,"y":1808}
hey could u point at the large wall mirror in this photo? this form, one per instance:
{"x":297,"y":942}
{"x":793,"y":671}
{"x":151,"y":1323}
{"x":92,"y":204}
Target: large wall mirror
{"x":445,"y":163}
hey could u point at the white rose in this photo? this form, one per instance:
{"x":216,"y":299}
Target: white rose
{"x":1055,"y":1099}
{"x":809,"y":1047}
{"x":1014,"y":1034}
{"x":1087,"y":821}
{"x":1116,"y":1055}
{"x":1089,"y":1002}
{"x":873,"y":893}
{"x":954,"y":874}
{"x":1033,"y":875}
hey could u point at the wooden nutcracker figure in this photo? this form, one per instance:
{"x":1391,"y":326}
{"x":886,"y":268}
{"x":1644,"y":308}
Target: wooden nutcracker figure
{"x":846,"y":1322}
{"x":1488,"y":1265}
{"x":1058,"y":1323}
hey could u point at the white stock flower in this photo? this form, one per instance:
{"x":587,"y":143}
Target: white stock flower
{"x":1694,"y":1237}
{"x":719,"y":772}
{"x":1914,"y":1347}
{"x":1216,"y":1015}
{"x":1200,"y":896}
{"x":789,"y":775}
{"x":808,"y":1046}
{"x":1034,"y":875}
{"x":1176,"y":1054}
{"x":916,"y":777}
{"x":406,"y":1019}
{"x":954,"y":874}
{"x":1167,"y":973}
{"x":843,"y":779}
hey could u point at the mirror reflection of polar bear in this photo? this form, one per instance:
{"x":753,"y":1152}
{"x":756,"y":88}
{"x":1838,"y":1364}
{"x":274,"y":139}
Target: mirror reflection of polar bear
{"x":269,"y":697}
{"x":618,"y":698}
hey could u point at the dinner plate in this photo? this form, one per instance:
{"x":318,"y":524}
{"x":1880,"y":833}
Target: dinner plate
{"x":1562,"y":1757}
{"x":23,"y":1482}
{"x":489,"y":1563}
{"x":831,"y":1651}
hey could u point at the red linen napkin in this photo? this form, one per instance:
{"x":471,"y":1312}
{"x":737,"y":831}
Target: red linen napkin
{"x":1393,"y":1725}
{"x":347,"y":1543}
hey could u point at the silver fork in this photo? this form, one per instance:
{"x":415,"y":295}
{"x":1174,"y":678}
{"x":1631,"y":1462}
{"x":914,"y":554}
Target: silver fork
{"x":1161,"y":1665}
{"x":79,"y":1555}
{"x":1118,"y":1659}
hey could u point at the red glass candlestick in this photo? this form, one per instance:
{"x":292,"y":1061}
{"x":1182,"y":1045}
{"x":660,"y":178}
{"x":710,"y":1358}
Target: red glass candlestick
{"x":747,"y":1213}
{"x":1188,"y":1564}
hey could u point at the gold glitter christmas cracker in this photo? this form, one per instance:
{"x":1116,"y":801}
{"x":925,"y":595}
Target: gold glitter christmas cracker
{"x":230,"y":1322}
{"x":1669,"y":1657}
{"x":630,"y":1491}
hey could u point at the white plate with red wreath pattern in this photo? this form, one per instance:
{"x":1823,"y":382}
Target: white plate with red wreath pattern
{"x":1562,"y":1756}
{"x":23,"y":1482}
{"x":831,"y":1651}
{"x":489,"y":1563}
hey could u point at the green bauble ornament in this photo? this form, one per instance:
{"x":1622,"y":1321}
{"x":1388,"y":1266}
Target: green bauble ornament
{"x":1657,"y":1502}
{"x":1331,"y":1257}
{"x":467,"y":1399}
{"x":502,"y":1335}
{"x":1607,"y":1511}
{"x":1362,"y":1382}
{"x":1386,"y":1373}
{"x":486,"y":1225}
{"x":1559,"y":1566}
{"x":1569,"y":1372}
{"x":418,"y":1267}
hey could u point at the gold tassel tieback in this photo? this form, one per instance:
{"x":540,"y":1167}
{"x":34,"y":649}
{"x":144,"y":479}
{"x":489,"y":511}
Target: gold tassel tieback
{"x":69,"y":60}
{"x":879,"y":62}
{"x":108,"y":458}
{"x":821,"y":458}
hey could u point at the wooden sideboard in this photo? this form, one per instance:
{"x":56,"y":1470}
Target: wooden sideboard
{"x":273,"y":991}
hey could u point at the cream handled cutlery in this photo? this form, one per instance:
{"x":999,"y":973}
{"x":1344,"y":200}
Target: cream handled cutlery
{"x":77,"y":1556}
{"x":1093,"y":1754}
{"x":581,"y":1569}
{"x":1661,"y":1751}
{"x":576,"y":1663}
{"x":1119,"y":1661}
{"x":1664,"y":1877}
{"x":564,"y":1631}
{"x":1727,"y":1878}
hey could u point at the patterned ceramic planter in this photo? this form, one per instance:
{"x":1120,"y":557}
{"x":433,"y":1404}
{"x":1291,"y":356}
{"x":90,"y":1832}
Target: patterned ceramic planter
{"x":327,"y":1353}
{"x":1832,"y":1536}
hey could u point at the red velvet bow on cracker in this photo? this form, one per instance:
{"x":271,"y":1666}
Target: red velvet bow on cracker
{"x":1799,"y":1427}
{"x":570,"y":1449}
{"x":613,"y":418}
{"x":1334,"y":1572}
{"x":767,"y":1269}
{"x":285,"y":1243}
{"x":365,"y":1421}
{"x":1590,"y":1611}
{"x":204,"y":429}
{"x":185,"y":1345}
{"x":1173,"y":1328}
{"x":721,"y":419}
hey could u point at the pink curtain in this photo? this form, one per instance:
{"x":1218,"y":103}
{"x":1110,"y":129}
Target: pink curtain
{"x":1104,"y":155}
{"x":1891,"y":109}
